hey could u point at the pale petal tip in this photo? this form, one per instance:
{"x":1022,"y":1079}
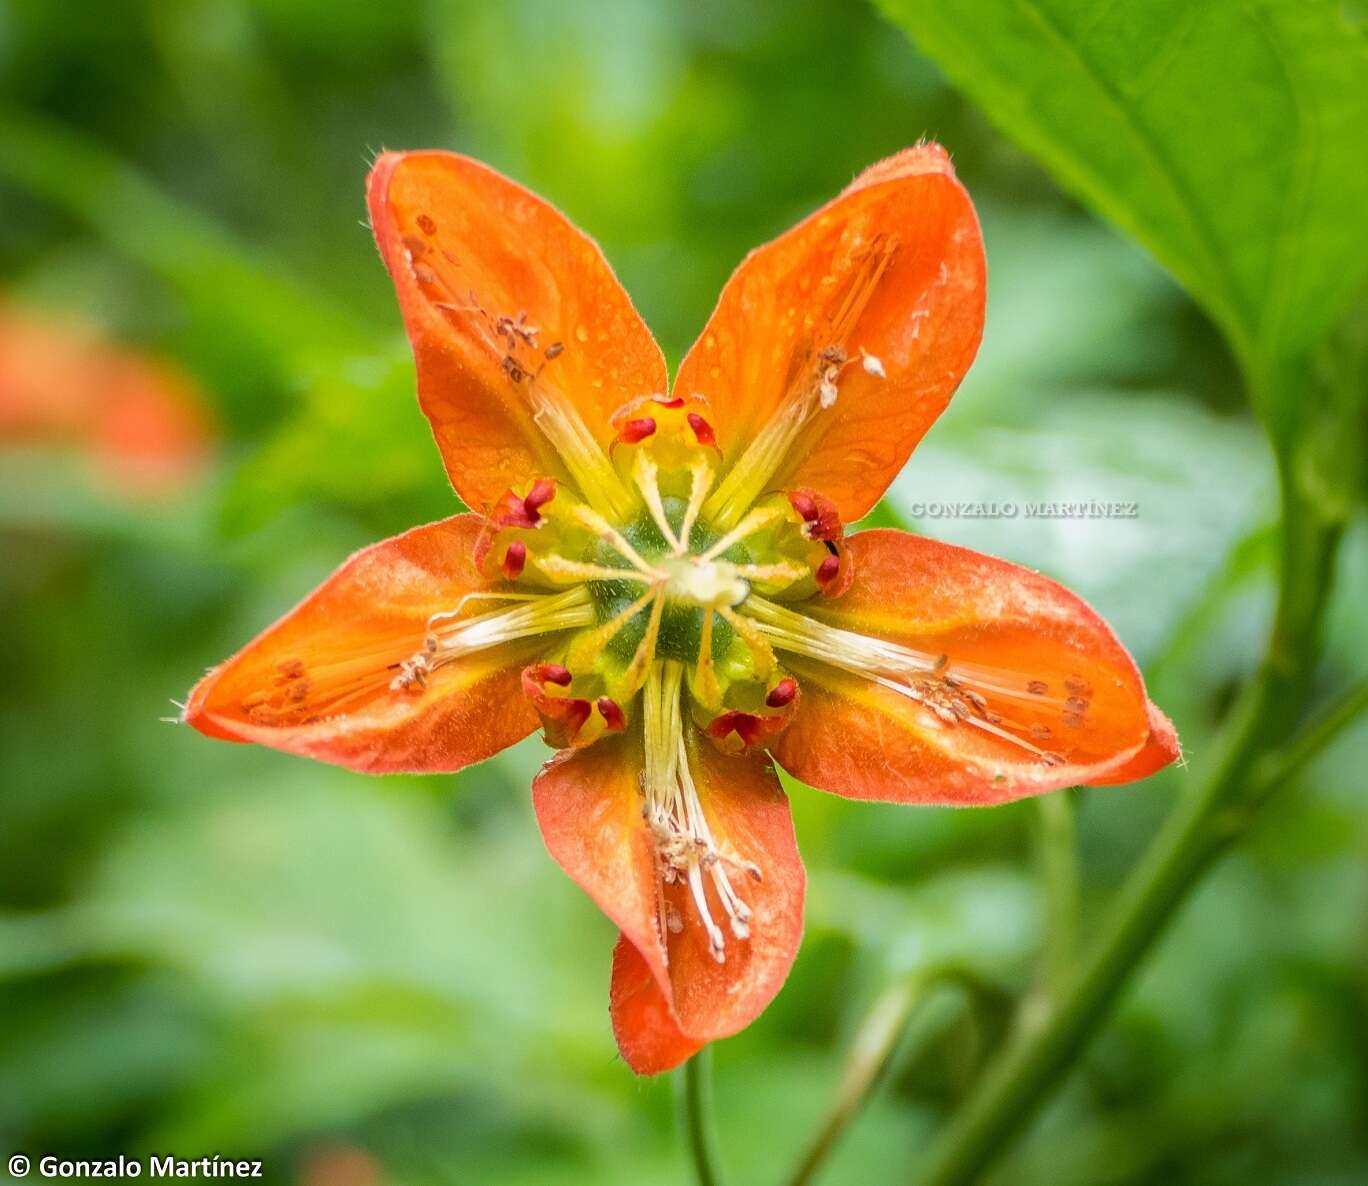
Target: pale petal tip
{"x":926,"y":156}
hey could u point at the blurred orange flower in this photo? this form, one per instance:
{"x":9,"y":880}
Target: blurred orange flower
{"x":142,"y":424}
{"x":661,"y":576}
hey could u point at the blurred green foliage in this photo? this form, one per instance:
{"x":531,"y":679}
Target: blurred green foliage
{"x":204,"y":948}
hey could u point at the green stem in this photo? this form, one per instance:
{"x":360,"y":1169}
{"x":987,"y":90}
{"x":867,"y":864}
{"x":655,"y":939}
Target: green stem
{"x":693,"y":1110}
{"x":1277,"y":769}
{"x":872,"y":1051}
{"x":1218,"y":813}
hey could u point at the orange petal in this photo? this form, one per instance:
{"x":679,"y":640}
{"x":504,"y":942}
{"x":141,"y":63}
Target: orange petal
{"x":317,"y":683}
{"x":467,"y":247}
{"x":1047,"y":667}
{"x":643,"y":1024}
{"x":589,"y":804}
{"x":894,"y":266}
{"x":1160,"y":750}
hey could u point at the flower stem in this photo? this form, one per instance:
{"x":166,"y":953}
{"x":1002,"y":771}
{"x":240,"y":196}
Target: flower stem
{"x":1216,"y":814}
{"x":693,"y":1110}
{"x":872,"y":1052}
{"x":1278,"y":768}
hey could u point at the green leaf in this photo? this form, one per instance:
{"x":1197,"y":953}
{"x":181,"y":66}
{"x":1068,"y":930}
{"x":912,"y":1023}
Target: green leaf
{"x":1227,"y":137}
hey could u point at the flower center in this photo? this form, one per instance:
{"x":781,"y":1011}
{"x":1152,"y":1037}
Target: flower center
{"x":713,"y":584}
{"x":639,"y":577}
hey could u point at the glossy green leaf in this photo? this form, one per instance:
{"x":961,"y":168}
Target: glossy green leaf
{"x":1227,"y":137}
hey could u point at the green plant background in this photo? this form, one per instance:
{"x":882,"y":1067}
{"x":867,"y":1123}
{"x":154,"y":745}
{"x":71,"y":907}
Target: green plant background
{"x":207,"y":948}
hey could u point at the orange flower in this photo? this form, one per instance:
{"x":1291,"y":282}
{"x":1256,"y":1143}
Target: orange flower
{"x":143,"y":424}
{"x":661,"y":576}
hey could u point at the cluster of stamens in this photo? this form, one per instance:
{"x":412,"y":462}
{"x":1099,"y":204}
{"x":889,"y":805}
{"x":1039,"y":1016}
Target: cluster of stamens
{"x":687,"y":851}
{"x":452,"y":635}
{"x":1022,"y":712}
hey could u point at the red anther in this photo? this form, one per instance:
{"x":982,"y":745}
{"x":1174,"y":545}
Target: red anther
{"x":702,"y":430}
{"x":515,"y":557}
{"x":562,"y":716}
{"x":745,"y":725}
{"x":821,"y":519}
{"x":611,"y":714}
{"x":554,"y":673}
{"x":782,"y":693}
{"x":636,"y":430}
{"x":576,"y":714}
{"x":667,"y":402}
{"x":805,"y":505}
{"x":543,"y":491}
{"x":751,"y":728}
{"x":827,"y":570}
{"x":511,"y":511}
